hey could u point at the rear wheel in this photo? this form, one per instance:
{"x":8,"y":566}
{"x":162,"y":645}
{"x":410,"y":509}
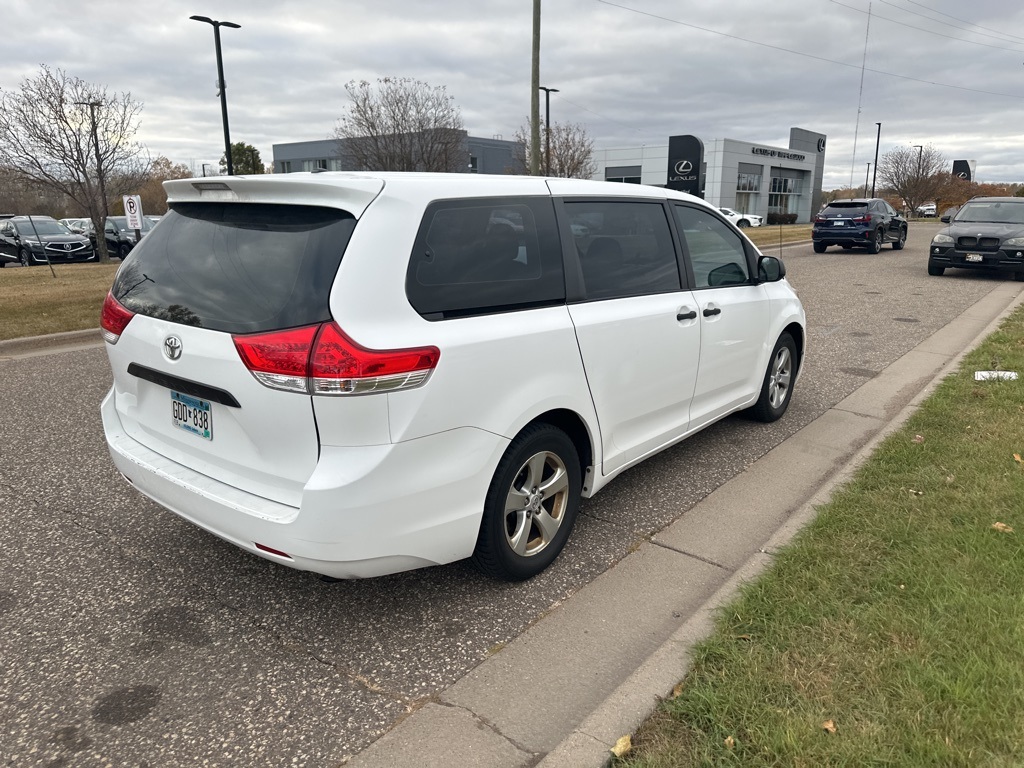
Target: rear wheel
{"x":820,"y":247}
{"x":901,"y":241}
{"x":875,"y":246}
{"x":123,"y":251}
{"x":777,"y":387}
{"x":935,"y":271}
{"x":530,"y":505}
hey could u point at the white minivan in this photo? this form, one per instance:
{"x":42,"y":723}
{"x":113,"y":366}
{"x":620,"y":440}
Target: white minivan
{"x":362,"y":373}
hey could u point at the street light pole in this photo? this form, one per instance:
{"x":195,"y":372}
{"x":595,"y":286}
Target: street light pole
{"x":92,"y":105}
{"x":205,"y":166}
{"x":867,"y":172}
{"x":547,"y":127}
{"x":919,"y":149}
{"x":220,"y":81}
{"x":874,"y":177}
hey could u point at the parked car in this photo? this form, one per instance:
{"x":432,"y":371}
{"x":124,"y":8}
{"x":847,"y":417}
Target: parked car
{"x":742,"y":220}
{"x":363,"y":373}
{"x":120,"y":239}
{"x":928,"y":209}
{"x":986,"y":233}
{"x":31,"y":240}
{"x":76,"y":225}
{"x":862,"y":223}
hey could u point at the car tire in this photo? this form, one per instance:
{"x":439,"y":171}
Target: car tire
{"x":777,"y":386}
{"x":935,"y":271}
{"x":820,"y":247}
{"x":531,"y":504}
{"x":24,"y":258}
{"x":1019,"y":277}
{"x":742,"y":223}
{"x":875,"y":246}
{"x":897,"y":244}
{"x":123,"y":251}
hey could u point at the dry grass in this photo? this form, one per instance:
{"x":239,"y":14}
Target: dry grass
{"x":766,"y":237}
{"x":33,"y":302}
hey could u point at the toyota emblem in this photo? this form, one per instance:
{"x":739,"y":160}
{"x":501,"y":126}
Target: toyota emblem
{"x":172,"y":347}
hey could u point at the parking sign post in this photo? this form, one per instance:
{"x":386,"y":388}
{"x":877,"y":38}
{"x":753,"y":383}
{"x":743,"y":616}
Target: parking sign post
{"x":133,"y":213}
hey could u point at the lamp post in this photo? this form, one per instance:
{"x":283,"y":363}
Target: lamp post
{"x":547,"y":128}
{"x":874,"y":176}
{"x":220,"y":81}
{"x":919,"y":149}
{"x":92,"y":105}
{"x":205,"y":166}
{"x":867,"y":172}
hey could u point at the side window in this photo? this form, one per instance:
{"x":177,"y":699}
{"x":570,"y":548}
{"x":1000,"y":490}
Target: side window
{"x":716,"y":252}
{"x":485,"y":255}
{"x":625,"y":248}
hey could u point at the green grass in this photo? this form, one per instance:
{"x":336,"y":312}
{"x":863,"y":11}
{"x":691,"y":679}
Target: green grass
{"x":897,"y":614}
{"x":33,"y":302}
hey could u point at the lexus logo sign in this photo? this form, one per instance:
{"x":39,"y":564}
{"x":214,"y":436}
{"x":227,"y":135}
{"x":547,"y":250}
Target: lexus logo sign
{"x":684,"y":166}
{"x":172,"y":347}
{"x":821,"y":144}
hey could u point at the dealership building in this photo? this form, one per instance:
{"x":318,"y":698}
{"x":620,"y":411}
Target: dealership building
{"x":749,"y":177}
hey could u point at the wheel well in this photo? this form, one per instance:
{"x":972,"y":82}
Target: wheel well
{"x":794,"y":330}
{"x":571,"y":423}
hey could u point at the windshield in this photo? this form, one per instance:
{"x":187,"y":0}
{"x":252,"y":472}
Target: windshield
{"x":42,"y":227}
{"x":993,"y":213}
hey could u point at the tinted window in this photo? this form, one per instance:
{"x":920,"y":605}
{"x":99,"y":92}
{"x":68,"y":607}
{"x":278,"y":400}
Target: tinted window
{"x":846,"y":208}
{"x":716,"y":252}
{"x":625,"y":248}
{"x":41,"y":227}
{"x":485,"y":255}
{"x":238,"y":268}
{"x":1000,"y":212}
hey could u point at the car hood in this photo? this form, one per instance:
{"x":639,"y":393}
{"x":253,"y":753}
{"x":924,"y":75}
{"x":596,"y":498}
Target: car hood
{"x":984,"y":229}
{"x":61,"y":238}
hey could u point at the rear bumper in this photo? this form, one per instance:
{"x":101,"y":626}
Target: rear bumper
{"x":848,"y":237}
{"x":365,"y":511}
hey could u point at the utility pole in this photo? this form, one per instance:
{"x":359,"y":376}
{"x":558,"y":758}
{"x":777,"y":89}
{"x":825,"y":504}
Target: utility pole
{"x":101,"y":241}
{"x":535,"y":95}
{"x":874,"y":176}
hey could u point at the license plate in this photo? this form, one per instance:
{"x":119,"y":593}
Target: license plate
{"x":837,"y":223}
{"x":973,"y":257}
{"x":192,"y":414}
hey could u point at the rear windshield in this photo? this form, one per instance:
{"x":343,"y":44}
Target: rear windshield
{"x":845,"y":207}
{"x":237,"y":267}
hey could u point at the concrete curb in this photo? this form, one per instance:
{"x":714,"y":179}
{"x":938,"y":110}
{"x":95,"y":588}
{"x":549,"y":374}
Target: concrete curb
{"x":51,"y":342}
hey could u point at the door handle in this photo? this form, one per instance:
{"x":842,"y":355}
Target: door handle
{"x":686,"y":315}
{"x":709,"y":311}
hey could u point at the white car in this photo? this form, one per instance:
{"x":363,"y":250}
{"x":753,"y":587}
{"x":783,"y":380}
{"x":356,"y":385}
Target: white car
{"x":358,"y":373}
{"x":742,"y":220}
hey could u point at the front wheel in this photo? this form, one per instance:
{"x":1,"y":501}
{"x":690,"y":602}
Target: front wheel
{"x":123,"y":251}
{"x":935,"y":271}
{"x":777,"y":387}
{"x":530,"y":505}
{"x":24,"y":258}
{"x":875,"y":246}
{"x":743,"y":224}
{"x":820,"y":247}
{"x":900,"y":241}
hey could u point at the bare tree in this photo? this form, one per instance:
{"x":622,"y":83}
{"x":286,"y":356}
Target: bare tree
{"x":572,"y":151}
{"x":401,"y":124}
{"x":64,"y":134}
{"x":917,"y":174}
{"x":154,"y":199}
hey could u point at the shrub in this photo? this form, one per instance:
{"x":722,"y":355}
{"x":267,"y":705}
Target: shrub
{"x":781,"y":218}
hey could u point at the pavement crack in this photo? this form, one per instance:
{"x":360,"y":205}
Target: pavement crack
{"x":483,"y":722}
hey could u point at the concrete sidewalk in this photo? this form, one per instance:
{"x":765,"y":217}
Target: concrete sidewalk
{"x":594,"y":668}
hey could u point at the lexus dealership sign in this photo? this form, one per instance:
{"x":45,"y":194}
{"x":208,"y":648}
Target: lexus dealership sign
{"x":685,"y":161}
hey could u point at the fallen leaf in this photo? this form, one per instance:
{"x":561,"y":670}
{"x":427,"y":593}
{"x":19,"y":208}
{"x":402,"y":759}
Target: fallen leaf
{"x":950,"y":478}
{"x":1017,"y":458}
{"x":730,"y":742}
{"x":917,"y":439}
{"x":915,"y":493}
{"x":903,"y":586}
{"x":829,"y":726}
{"x":622,"y":746}
{"x":742,"y":637}
{"x":1002,"y":527}
{"x":677,"y":691}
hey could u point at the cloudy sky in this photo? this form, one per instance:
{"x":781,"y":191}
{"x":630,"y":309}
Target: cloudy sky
{"x":947,"y":73}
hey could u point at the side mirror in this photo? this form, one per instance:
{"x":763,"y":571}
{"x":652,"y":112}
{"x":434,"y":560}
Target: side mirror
{"x":770,"y":269}
{"x":944,"y":219}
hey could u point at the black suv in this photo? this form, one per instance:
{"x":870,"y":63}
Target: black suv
{"x":36,"y":239}
{"x":862,"y":223}
{"x":986,"y":233}
{"x":120,"y":239}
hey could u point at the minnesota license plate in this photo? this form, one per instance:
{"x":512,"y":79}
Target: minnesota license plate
{"x":192,"y":414}
{"x":973,"y":257}
{"x":837,"y":223}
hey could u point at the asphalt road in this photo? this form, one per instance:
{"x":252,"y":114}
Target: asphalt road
{"x":128,"y":637}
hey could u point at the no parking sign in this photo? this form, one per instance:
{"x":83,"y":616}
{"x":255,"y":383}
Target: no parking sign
{"x":133,"y":210}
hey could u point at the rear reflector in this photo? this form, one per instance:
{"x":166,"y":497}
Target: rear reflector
{"x":114,"y":318}
{"x":271,"y":550}
{"x":323,"y":360}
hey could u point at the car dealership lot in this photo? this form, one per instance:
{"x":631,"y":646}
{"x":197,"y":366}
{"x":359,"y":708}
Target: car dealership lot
{"x":131,"y":636}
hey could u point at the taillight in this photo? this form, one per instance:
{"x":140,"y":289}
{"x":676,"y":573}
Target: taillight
{"x":819,"y":219}
{"x":114,"y":318}
{"x":323,"y":360}
{"x":861,"y":219}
